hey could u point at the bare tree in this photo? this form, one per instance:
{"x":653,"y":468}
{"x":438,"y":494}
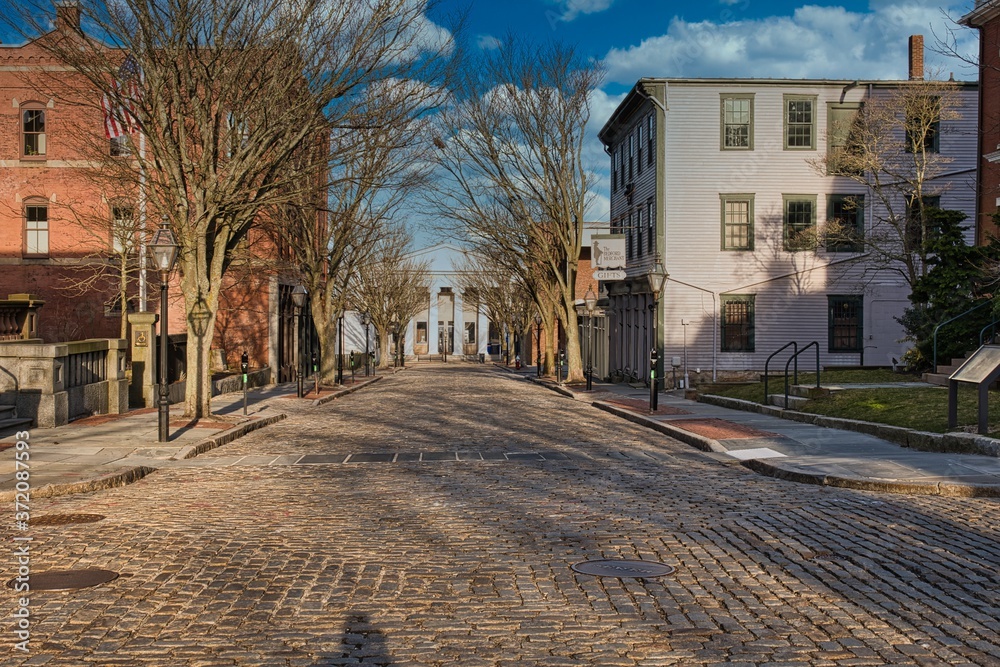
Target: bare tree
{"x":504,"y":297}
{"x":891,"y":146}
{"x":231,"y":92}
{"x":374,"y":165}
{"x":391,"y":287}
{"x":513,"y":174}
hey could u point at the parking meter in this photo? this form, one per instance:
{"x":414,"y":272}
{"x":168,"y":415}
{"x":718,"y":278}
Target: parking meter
{"x":244,"y":369}
{"x":652,"y":380}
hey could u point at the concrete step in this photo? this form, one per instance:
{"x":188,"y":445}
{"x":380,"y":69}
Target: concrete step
{"x":940,"y":379}
{"x":12,"y":425}
{"x":794,"y":402}
{"x":808,"y":391}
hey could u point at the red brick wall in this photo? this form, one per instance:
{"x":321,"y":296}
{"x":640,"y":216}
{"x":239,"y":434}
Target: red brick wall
{"x":989,"y":175}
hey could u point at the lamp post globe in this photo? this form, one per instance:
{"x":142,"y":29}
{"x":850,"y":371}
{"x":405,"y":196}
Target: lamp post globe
{"x":163,"y":248}
{"x":657,"y":277}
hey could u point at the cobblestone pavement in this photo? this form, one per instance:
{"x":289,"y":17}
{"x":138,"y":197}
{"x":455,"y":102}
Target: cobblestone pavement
{"x":463,"y":555}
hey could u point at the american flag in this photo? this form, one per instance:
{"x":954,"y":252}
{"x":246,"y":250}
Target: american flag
{"x":119,"y":113}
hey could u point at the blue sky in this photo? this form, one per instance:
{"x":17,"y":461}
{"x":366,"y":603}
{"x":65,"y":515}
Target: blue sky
{"x":726,"y":38}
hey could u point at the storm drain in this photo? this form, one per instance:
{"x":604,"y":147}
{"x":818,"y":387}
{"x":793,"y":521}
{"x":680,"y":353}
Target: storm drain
{"x":64,"y":580}
{"x":638,"y":569}
{"x":63,"y":519}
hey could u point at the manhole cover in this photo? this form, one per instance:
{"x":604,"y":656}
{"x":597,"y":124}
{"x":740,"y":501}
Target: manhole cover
{"x":623,"y":568}
{"x":62,"y":580}
{"x":60,"y":519}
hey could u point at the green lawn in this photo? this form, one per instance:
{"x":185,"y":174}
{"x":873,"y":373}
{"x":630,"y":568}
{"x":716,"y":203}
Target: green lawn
{"x":922,"y":409}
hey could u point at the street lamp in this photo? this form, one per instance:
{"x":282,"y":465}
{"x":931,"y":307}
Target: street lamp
{"x":657,"y":278}
{"x":366,"y":319}
{"x":590,"y":299}
{"x":164,"y":250}
{"x":394,"y":328}
{"x":299,"y":301}
{"x":340,"y":350}
{"x":538,"y":346}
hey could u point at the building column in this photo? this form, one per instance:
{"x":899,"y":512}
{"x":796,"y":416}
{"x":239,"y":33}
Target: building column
{"x":458,"y":339}
{"x":483,"y":330}
{"x":432,"y":321}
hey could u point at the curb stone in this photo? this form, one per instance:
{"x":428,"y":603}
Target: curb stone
{"x":106,"y":481}
{"x":344,"y":392}
{"x":225,"y":437}
{"x":955,"y":442}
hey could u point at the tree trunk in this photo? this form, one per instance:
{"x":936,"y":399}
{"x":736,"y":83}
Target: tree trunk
{"x":201,"y":304}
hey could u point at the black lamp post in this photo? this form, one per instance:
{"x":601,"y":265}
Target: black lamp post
{"x":366,"y":319}
{"x":657,"y":278}
{"x":299,"y":301}
{"x":394,"y":328}
{"x":340,"y":345}
{"x":591,"y":302}
{"x":538,"y":346}
{"x":164,"y":250}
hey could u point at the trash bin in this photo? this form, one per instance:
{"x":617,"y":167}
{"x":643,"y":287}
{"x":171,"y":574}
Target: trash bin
{"x":482,"y":358}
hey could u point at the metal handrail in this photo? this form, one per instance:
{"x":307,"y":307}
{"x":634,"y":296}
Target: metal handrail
{"x":795,"y":350}
{"x":959,"y":316}
{"x":983,"y":331}
{"x":794,"y":357}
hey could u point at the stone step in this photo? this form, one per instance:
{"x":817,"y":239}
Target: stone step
{"x":794,"y":402}
{"x":940,"y":379}
{"x":12,"y":425}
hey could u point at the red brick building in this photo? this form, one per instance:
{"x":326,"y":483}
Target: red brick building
{"x":986,"y":18}
{"x":47,"y":189}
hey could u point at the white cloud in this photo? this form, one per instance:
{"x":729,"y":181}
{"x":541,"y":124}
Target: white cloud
{"x":487,"y":42}
{"x":574,"y":8}
{"x":813,"y":43}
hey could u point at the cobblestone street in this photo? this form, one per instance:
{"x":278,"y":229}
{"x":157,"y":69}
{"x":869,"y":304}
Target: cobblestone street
{"x":434,"y":521}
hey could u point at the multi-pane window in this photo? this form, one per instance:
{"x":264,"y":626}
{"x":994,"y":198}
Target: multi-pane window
{"x":36,"y":229}
{"x":638,"y":232}
{"x":737,"y":323}
{"x":800,"y":122}
{"x":916,"y":218}
{"x":842,"y":142}
{"x":631,"y":154}
{"x":845,"y":223}
{"x":650,"y":125}
{"x":618,"y":160}
{"x":33,"y":132}
{"x":737,"y":222}
{"x":737,"y":122}
{"x":122,"y":229}
{"x":119,"y":146}
{"x":651,"y":228}
{"x":799,"y":222}
{"x":845,"y":323}
{"x":923,"y":124}
{"x":638,"y":150}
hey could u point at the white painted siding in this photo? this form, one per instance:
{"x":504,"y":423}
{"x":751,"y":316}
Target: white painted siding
{"x":790,"y":288}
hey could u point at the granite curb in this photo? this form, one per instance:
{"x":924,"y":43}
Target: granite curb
{"x":108,"y":480}
{"x":227,"y":436}
{"x":957,"y":443}
{"x":344,"y":392}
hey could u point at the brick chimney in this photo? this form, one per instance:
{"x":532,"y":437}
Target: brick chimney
{"x":67,"y":16}
{"x":916,"y":57}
